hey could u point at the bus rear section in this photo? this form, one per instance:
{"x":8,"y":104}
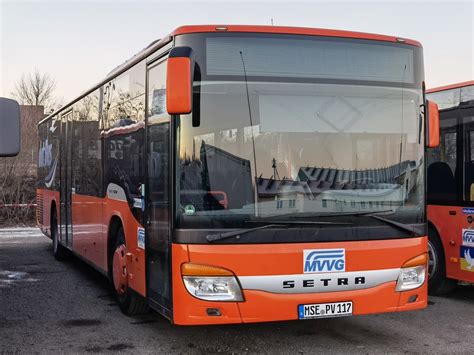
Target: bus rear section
{"x":451,"y":189}
{"x":287,"y":182}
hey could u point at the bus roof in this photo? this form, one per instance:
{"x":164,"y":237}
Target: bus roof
{"x":452,"y":86}
{"x":291,"y":30}
{"x":269,"y":29}
{"x":232,"y":28}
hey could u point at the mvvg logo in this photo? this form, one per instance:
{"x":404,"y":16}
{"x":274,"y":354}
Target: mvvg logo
{"x":468,"y":237}
{"x":324,"y":260}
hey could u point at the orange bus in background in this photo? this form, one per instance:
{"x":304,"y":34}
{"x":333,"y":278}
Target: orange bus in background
{"x":451,"y":189}
{"x":230,"y":174}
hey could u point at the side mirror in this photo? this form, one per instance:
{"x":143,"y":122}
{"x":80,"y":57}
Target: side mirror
{"x":9,"y":127}
{"x":179,"y":81}
{"x":432,"y":127}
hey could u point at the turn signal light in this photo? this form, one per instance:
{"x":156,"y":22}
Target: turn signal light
{"x":191,"y":269}
{"x":420,"y":260}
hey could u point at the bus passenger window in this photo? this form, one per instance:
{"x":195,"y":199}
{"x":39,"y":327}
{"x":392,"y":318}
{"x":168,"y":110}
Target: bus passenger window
{"x":449,"y":149}
{"x":468,"y":124}
{"x":442,"y":168}
{"x":467,"y":94}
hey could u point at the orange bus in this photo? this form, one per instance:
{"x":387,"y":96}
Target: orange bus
{"x":230,"y":174}
{"x":451,"y":189}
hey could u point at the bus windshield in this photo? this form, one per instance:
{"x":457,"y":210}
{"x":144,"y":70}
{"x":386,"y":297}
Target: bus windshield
{"x":300,"y":126}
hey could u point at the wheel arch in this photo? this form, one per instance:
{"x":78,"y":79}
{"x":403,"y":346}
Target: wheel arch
{"x":441,"y":284}
{"x":432,"y":227}
{"x":114,"y":225}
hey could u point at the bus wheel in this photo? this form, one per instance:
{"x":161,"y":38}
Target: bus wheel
{"x":59,"y":251}
{"x":129,"y":301}
{"x":438,"y":283}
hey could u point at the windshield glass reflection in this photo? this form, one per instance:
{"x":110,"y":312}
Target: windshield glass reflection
{"x":257,"y":148}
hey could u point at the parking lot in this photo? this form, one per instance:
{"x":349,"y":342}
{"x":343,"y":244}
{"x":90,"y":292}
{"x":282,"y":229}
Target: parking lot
{"x":47,"y":306}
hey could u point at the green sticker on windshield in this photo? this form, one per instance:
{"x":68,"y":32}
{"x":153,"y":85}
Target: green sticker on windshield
{"x":189,"y":210}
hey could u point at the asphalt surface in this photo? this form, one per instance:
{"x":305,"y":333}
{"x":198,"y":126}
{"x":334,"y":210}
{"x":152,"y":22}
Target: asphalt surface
{"x":50,"y":307}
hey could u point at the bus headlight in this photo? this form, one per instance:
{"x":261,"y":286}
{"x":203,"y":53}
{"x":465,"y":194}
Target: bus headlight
{"x":411,"y":278}
{"x":214,"y":288}
{"x":413,"y":273}
{"x":211,"y":283}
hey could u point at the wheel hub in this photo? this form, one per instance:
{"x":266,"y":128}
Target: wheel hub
{"x":119,"y":270}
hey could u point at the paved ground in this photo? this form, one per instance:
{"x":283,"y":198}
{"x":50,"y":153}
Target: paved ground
{"x":50,"y":307}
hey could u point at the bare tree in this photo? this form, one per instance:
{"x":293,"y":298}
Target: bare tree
{"x":35,"y":89}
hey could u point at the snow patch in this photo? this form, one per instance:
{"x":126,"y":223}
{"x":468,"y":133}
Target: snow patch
{"x":8,"y":278}
{"x":20,"y":232}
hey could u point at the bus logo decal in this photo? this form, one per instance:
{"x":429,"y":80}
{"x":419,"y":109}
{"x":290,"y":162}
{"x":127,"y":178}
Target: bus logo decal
{"x":467,"y":210}
{"x":324,"y":260}
{"x":141,"y":238}
{"x":49,"y":179}
{"x":467,"y":259}
{"x":115,"y":192}
{"x":468,"y":237}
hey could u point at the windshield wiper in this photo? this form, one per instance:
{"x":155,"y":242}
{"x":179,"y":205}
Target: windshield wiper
{"x":312,"y":215}
{"x":405,"y":227}
{"x":373,"y":214}
{"x":220,"y":236}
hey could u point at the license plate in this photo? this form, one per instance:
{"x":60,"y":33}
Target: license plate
{"x":323,"y":310}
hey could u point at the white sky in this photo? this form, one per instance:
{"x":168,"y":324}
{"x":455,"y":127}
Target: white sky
{"x":78,"y":43}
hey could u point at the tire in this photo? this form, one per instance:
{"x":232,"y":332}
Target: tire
{"x":59,"y":251}
{"x":129,"y":301}
{"x":438,"y":283}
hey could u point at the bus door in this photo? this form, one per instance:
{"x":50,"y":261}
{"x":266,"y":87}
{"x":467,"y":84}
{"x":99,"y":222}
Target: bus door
{"x":466,"y":239}
{"x":157,"y":232}
{"x":65,"y":225}
{"x":444,"y":176}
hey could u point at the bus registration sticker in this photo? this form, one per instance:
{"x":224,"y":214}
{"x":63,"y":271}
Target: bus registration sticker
{"x":324,"y":310}
{"x":189,"y":210}
{"x":141,"y":238}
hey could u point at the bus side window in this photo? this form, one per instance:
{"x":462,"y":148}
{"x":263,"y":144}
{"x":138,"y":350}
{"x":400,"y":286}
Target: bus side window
{"x":442,"y":167}
{"x":468,"y":125}
{"x":467,"y":94}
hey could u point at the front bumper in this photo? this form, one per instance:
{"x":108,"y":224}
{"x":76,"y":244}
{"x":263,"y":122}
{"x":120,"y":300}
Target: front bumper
{"x":264,"y":306}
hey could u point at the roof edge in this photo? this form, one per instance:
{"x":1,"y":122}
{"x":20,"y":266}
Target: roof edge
{"x":292,"y":30}
{"x":450,"y":86}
